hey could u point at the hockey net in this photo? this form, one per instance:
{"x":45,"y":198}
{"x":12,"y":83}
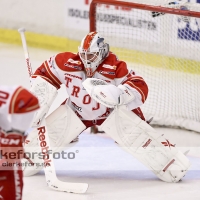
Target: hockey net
{"x":159,"y":40}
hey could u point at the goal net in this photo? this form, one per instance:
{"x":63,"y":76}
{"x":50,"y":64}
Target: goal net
{"x":159,"y":40}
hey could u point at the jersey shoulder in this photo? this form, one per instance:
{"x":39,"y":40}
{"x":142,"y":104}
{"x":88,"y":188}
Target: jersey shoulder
{"x":68,"y":61}
{"x":17,"y":99}
{"x":112,"y":67}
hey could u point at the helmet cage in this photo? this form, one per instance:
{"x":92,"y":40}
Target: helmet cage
{"x":94,"y":55}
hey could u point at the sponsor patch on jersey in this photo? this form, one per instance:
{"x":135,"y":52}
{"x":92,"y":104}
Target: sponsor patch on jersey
{"x":77,"y":107}
{"x":109,"y":66}
{"x":74,"y":61}
{"x":73,"y":66}
{"x":74,"y":76}
{"x":106,"y":72}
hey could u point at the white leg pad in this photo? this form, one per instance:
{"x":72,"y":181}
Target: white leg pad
{"x":143,"y":142}
{"x":63,"y":126}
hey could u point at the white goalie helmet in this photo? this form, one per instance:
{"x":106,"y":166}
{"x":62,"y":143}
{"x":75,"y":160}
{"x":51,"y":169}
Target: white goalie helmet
{"x":93,"y":51}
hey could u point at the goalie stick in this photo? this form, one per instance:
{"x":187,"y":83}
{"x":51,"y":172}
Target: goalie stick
{"x":49,"y":168}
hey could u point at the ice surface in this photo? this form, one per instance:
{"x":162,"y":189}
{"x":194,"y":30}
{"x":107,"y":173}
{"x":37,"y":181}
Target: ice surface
{"x":111,"y":173}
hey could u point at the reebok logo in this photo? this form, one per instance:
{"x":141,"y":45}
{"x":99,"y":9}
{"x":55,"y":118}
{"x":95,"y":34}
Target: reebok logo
{"x":167,"y":143}
{"x":43,"y":145}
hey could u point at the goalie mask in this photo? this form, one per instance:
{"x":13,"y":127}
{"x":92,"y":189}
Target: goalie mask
{"x":92,"y":52}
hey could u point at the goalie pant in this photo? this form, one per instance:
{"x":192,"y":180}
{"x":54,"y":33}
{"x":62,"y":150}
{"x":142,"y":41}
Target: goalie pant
{"x":17,"y":108}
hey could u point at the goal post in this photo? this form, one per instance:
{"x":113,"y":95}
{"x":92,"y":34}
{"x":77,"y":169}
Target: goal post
{"x":160,"y":40}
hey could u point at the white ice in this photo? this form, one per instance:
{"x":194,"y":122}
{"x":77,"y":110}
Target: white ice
{"x":111,"y":173}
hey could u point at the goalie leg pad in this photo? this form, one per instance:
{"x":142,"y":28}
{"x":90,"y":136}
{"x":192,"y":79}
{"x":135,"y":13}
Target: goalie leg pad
{"x":63,"y":126}
{"x":143,"y":142}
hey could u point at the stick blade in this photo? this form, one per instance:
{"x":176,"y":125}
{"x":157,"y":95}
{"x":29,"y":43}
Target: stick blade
{"x":78,"y":188}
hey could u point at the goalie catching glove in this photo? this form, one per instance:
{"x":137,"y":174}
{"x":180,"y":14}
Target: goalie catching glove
{"x":107,"y":94}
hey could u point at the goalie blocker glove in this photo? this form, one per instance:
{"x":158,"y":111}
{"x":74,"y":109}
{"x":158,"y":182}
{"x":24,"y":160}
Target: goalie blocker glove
{"x":46,"y":93}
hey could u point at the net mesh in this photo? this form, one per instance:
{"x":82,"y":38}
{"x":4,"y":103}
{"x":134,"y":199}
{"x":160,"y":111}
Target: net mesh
{"x":164,"y":49}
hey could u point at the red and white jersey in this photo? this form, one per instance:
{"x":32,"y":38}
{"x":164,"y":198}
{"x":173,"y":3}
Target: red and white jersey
{"x":17,"y":107}
{"x":67,"y":68}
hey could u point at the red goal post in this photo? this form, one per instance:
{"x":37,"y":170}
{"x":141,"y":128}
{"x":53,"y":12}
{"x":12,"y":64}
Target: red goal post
{"x":160,"y":40}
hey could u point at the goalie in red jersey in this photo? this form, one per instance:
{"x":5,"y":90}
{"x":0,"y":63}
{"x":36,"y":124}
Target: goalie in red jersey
{"x":101,"y":91}
{"x":17,"y":107}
